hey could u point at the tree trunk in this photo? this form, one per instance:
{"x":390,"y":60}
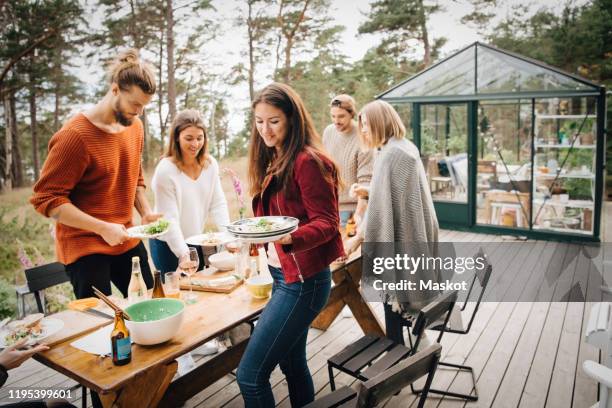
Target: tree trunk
{"x":251,"y":51}
{"x":280,"y":22}
{"x":33,"y":126}
{"x":288,"y":59}
{"x":145,"y":144}
{"x":424,"y":35}
{"x":170,"y":53}
{"x":160,"y":92}
{"x":7,"y":178}
{"x":17,"y":164}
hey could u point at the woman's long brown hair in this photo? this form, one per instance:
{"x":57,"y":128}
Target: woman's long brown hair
{"x":301,"y":135}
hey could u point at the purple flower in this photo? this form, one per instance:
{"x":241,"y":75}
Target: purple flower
{"x":25,"y":260}
{"x":237,"y":184}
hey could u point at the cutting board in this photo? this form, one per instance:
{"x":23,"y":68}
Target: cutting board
{"x":75,"y":324}
{"x":215,"y":289}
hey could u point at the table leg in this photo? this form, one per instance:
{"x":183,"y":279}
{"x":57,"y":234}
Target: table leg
{"x":145,"y":390}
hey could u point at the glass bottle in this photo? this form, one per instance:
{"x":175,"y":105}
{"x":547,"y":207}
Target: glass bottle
{"x":137,"y":289}
{"x":158,"y":287}
{"x":253,"y":260}
{"x":121,"y":345}
{"x":351,"y":226}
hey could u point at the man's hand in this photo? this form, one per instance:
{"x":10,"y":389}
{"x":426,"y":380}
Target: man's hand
{"x":113,"y":234}
{"x":149,"y":218}
{"x":12,"y":357}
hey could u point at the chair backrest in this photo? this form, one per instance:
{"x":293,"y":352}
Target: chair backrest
{"x":483,"y":276}
{"x":404,"y":373}
{"x":440,"y":308}
{"x":45,"y":276}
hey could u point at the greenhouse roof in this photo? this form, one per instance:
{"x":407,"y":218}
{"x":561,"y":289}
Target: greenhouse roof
{"x":481,"y":71}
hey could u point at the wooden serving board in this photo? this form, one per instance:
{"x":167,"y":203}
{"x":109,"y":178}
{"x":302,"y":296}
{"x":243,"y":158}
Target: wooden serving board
{"x":75,"y":324}
{"x":216,"y":289}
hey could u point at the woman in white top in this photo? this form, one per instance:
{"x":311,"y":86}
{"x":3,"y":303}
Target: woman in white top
{"x":187,"y":190}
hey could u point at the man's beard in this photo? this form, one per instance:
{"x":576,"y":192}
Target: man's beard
{"x":120,"y":117}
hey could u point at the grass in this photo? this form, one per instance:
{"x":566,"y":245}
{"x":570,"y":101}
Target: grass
{"x":20,"y":223}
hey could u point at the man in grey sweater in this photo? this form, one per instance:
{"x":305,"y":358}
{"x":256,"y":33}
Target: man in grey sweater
{"x":342,"y":143}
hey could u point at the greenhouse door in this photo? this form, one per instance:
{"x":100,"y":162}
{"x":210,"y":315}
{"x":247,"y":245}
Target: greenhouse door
{"x":445,"y":142}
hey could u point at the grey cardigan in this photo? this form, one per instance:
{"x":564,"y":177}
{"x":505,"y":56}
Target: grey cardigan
{"x":401,"y":219}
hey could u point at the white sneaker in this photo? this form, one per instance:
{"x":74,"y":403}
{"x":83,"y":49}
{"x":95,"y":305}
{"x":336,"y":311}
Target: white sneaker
{"x":347,"y":312}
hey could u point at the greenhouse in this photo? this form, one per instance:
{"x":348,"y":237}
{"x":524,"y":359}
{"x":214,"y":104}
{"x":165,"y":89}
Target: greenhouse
{"x":509,"y":144}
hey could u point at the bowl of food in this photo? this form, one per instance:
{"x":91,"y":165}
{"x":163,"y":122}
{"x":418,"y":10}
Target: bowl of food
{"x":223,"y":261}
{"x":155,"y":321}
{"x":259,"y":286}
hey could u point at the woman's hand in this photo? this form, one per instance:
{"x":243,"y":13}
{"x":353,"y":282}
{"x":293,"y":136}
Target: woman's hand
{"x":285,"y":240}
{"x":360,"y":191}
{"x":12,"y":357}
{"x":352,"y":244}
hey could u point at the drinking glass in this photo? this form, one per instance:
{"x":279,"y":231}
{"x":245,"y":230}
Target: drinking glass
{"x":189,"y":265}
{"x":172,"y":285}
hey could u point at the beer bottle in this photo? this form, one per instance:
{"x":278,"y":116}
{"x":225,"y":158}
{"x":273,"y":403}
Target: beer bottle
{"x":137,"y":289}
{"x":121,"y":345}
{"x":351,"y":226}
{"x":158,"y":287}
{"x":254,"y":260}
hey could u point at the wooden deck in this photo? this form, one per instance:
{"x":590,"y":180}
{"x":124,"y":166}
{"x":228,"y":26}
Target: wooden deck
{"x":524,"y":354}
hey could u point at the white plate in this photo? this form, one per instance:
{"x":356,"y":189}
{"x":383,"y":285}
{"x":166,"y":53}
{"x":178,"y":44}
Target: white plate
{"x":222,"y":237}
{"x":247,"y":225}
{"x":265,"y":239}
{"x":264,"y":234}
{"x":50,"y":326}
{"x":138,"y":231}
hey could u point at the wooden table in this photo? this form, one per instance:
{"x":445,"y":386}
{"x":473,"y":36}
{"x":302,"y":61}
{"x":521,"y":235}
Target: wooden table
{"x":147,"y":378}
{"x":346,"y":291}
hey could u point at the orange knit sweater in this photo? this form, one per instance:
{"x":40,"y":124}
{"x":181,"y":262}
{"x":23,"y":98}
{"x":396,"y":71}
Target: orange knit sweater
{"x":96,"y":171}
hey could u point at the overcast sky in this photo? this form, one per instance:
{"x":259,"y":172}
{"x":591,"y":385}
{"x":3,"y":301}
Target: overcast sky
{"x":224,"y":52}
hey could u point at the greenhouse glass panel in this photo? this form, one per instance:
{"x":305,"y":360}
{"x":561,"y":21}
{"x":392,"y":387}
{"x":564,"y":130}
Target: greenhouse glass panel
{"x":499,"y":72}
{"x":454,"y":76}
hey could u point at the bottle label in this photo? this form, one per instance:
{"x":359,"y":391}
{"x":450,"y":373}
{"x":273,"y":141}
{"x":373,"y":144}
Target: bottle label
{"x":124,"y":348}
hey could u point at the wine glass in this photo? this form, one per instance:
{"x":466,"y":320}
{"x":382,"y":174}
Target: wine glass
{"x":189,"y":264}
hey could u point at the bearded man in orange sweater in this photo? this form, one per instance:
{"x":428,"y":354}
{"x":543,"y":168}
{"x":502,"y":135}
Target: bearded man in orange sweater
{"x":92,"y":179}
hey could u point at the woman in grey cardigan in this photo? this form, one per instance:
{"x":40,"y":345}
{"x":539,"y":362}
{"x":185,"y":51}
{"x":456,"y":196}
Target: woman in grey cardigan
{"x":400,"y":218}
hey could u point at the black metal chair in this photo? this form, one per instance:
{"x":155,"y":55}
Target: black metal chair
{"x":387,"y":382}
{"x":357,"y":359}
{"x":38,"y":279}
{"x":481,"y":276}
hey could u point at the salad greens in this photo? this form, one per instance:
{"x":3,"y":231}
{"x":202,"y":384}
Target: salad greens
{"x":157,"y":227}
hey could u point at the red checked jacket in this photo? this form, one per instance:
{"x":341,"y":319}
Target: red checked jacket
{"x":314,"y":202}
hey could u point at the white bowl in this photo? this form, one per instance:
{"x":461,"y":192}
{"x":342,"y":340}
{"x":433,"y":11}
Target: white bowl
{"x":158,"y":331}
{"x":223,"y":261}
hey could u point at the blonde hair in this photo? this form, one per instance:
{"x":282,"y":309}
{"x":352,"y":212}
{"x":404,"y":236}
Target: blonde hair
{"x":128,"y":69}
{"x":184,"y":119}
{"x":383,"y":123}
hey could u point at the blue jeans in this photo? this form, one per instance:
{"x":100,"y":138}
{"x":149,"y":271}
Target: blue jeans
{"x":280,"y":339}
{"x":165,"y":260}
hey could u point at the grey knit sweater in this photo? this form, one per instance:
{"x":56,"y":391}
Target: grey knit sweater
{"x":401,"y":219}
{"x":355,"y":165}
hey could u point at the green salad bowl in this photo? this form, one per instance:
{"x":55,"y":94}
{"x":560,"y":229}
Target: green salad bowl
{"x":155,"y":321}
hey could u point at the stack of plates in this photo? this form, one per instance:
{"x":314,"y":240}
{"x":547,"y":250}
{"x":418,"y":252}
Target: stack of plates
{"x":263,"y":229}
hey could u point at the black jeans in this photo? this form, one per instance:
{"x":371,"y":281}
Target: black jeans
{"x":100,"y":269}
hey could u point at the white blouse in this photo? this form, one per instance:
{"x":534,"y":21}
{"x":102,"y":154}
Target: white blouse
{"x":188,"y":203}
